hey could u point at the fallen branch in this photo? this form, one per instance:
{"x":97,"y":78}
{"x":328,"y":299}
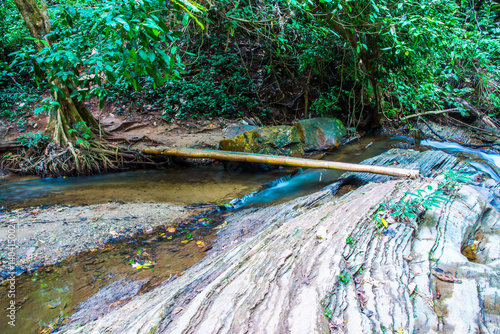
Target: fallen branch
{"x":485,"y":118}
{"x":430,"y":113}
{"x":432,"y":130}
{"x":490,"y":133}
{"x":9,"y":145}
{"x":280,"y":160}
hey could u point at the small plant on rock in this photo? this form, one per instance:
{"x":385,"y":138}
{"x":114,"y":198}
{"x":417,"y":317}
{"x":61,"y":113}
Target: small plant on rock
{"x":345,"y":277}
{"x":350,"y":241}
{"x":427,"y":198}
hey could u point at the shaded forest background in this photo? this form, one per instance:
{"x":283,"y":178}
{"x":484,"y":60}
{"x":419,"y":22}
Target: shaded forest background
{"x":361,"y":61}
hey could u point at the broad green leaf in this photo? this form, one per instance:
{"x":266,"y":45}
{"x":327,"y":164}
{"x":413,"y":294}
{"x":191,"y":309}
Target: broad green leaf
{"x":124,"y":23}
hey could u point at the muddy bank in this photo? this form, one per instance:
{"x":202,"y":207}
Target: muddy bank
{"x":46,"y":236}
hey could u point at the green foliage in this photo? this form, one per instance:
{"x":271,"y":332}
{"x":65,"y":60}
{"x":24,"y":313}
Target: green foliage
{"x":15,"y":100}
{"x":221,"y":88}
{"x":328,"y":313}
{"x":33,"y":139}
{"x":428,"y":198}
{"x":345,"y":277}
{"x":203,"y":98}
{"x":17,"y":89}
{"x":326,"y":103}
{"x":82,"y":131}
{"x":120,"y":42}
{"x":453,"y":179}
{"x":420,"y":52}
{"x":12,"y":32}
{"x":350,"y":241}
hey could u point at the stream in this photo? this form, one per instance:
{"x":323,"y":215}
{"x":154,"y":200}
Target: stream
{"x":50,"y":295}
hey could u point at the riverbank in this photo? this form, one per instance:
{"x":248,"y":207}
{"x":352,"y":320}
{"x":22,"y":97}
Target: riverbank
{"x":46,"y":236}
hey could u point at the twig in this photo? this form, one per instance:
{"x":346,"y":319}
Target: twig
{"x":485,"y":118}
{"x":432,"y":130}
{"x":430,"y":113}
{"x":475,"y":128}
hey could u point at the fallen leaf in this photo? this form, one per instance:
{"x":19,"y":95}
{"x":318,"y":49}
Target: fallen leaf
{"x":447,"y":278}
{"x":384,"y":222}
{"x":399,"y":330}
{"x":321,"y":232}
{"x":177,"y":310}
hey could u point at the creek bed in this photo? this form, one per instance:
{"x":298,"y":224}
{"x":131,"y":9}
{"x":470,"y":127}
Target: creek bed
{"x":52,"y":294}
{"x":48,"y":297}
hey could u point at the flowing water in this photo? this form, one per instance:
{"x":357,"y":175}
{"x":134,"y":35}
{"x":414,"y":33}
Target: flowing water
{"x":207,"y":184}
{"x":51,"y":295}
{"x":485,"y":161}
{"x":176,"y":186}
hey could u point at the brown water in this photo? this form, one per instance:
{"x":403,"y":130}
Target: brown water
{"x":208,"y":184}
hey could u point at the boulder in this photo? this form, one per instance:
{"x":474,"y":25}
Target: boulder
{"x":235,"y":130}
{"x":319,"y":134}
{"x":273,"y":140}
{"x":322,"y":264}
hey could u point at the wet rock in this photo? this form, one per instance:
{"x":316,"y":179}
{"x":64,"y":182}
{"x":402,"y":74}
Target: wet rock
{"x":270,"y":273}
{"x":234,"y":130}
{"x":273,"y":140}
{"x":320,"y":134}
{"x":456,"y":134}
{"x":48,"y":236}
{"x":107,"y":299}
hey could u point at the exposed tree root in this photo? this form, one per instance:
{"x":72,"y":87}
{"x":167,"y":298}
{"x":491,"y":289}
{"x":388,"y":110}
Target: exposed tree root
{"x":49,"y":159}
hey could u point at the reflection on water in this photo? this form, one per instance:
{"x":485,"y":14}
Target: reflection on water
{"x":207,"y":184}
{"x":479,"y":159}
{"x":177,"y":186}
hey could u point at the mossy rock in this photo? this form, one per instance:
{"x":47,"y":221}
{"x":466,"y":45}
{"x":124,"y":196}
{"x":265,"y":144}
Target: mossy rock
{"x":319,"y":134}
{"x":273,"y":140}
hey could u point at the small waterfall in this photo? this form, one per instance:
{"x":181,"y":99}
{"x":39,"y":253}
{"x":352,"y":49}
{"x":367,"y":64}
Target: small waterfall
{"x":245,"y":199}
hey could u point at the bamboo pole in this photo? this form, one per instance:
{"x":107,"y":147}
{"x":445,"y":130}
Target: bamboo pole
{"x":283,"y":161}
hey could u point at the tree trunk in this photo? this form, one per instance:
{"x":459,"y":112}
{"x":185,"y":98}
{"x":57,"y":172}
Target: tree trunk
{"x":368,"y":55}
{"x":375,"y":119}
{"x":282,"y":161}
{"x":70,"y":111}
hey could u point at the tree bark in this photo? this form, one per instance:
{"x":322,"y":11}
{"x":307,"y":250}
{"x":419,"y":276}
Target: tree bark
{"x":375,"y":118}
{"x":368,"y":57}
{"x":34,"y":20}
